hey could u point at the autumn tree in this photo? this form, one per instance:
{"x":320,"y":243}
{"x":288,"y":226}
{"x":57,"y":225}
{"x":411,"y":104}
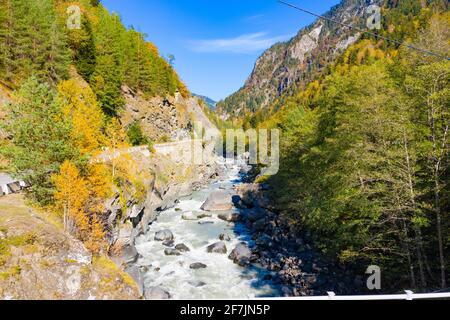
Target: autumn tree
{"x":79,"y":105}
{"x":75,"y":196}
{"x":116,"y":140}
{"x":71,"y":196}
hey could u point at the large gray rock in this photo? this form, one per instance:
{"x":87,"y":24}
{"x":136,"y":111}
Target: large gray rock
{"x":260,"y":225}
{"x":171,"y":252}
{"x":164,"y":235}
{"x":218,"y":247}
{"x":168,"y":243}
{"x":129,"y":254}
{"x":255,"y":214}
{"x":204,"y":215}
{"x":197,"y":283}
{"x":198,"y":265}
{"x":229,"y":217}
{"x":156,"y":293}
{"x":137,"y":276}
{"x":240,"y":253}
{"x":182,"y":247}
{"x":218,"y":201}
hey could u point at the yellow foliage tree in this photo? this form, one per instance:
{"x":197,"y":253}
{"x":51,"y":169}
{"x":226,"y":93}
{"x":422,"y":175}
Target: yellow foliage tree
{"x":71,"y":194}
{"x":116,"y":142}
{"x":81,"y":106}
{"x":99,"y":179}
{"x":95,"y":241}
{"x":79,"y":200}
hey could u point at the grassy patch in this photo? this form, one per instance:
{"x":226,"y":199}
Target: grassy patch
{"x":108,"y":266}
{"x":11,"y":272}
{"x":27,"y":239}
{"x":22,"y":240}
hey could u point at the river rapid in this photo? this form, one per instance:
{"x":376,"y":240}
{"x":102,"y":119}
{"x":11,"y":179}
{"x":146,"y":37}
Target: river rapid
{"x":221,"y":279}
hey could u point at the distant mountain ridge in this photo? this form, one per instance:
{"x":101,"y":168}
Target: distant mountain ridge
{"x":287,"y":65}
{"x":210,"y":102}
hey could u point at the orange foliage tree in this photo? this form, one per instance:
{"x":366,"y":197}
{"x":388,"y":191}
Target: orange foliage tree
{"x":76,"y":197}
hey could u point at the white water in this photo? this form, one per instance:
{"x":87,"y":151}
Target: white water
{"x":222,"y":278}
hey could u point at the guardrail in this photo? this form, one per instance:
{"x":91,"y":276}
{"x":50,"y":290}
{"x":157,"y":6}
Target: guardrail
{"x":408,"y":295}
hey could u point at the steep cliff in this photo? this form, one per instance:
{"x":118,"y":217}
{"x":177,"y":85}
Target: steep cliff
{"x":285,"y":66}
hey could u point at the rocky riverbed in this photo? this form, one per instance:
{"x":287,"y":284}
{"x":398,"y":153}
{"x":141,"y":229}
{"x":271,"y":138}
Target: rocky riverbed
{"x":225,"y":241}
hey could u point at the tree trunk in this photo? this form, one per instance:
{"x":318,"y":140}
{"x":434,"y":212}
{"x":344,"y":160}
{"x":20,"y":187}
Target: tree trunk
{"x":439,"y":231}
{"x":419,"y":242}
{"x":437,"y":201}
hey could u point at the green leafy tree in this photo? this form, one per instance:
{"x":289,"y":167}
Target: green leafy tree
{"x":136,"y":136}
{"x":40,"y":138}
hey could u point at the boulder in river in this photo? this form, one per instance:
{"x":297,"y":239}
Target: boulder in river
{"x":168,"y":243}
{"x":189,"y":216}
{"x":164,"y":235}
{"x":218,"y":247}
{"x":238,"y":203}
{"x":225,"y":237}
{"x":218,"y":201}
{"x":156,"y":293}
{"x":197,"y":283}
{"x":229,"y":217}
{"x":259,"y":225}
{"x":255,"y":214}
{"x":172,"y":252}
{"x":203,"y":215}
{"x":205,"y":222}
{"x":182,"y":247}
{"x":198,"y":265}
{"x":240,"y":253}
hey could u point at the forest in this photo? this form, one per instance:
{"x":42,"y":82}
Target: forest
{"x":365,"y":146}
{"x":366,"y":152}
{"x":66,"y":89}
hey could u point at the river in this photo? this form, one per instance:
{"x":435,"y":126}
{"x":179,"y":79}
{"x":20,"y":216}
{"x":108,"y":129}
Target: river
{"x":222,"y":279}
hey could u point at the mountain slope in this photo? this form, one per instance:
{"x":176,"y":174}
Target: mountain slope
{"x":286,"y":65}
{"x":210,"y":102}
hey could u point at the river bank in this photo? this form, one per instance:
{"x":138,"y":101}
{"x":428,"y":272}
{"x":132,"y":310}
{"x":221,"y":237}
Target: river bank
{"x":246,"y":252}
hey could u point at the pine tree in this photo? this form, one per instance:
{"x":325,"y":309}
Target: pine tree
{"x":40,"y":137}
{"x":108,"y":76}
{"x":32,"y":42}
{"x":7,"y":41}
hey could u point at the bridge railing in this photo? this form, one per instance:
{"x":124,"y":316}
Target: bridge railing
{"x":408,"y":295}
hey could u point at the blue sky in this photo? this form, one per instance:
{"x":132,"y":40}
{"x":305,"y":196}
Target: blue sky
{"x":215,"y":42}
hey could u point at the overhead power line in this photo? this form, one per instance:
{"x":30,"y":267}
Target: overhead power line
{"x":364,"y":31}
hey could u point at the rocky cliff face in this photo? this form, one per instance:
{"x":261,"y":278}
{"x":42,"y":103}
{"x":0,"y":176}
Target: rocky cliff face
{"x":160,"y":118}
{"x":168,"y":118}
{"x":287,"y":65}
{"x":169,"y":175}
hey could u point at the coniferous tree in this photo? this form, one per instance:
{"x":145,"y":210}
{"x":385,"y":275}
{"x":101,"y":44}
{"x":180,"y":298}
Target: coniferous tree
{"x":40,"y":137}
{"x":108,"y":76}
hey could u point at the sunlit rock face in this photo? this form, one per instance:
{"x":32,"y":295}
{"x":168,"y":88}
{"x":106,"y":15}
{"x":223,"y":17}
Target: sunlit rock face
{"x":287,"y":65}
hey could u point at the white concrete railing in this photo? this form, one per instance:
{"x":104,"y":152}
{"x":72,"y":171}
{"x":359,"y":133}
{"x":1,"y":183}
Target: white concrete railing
{"x":408,"y":295}
{"x":161,"y":148}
